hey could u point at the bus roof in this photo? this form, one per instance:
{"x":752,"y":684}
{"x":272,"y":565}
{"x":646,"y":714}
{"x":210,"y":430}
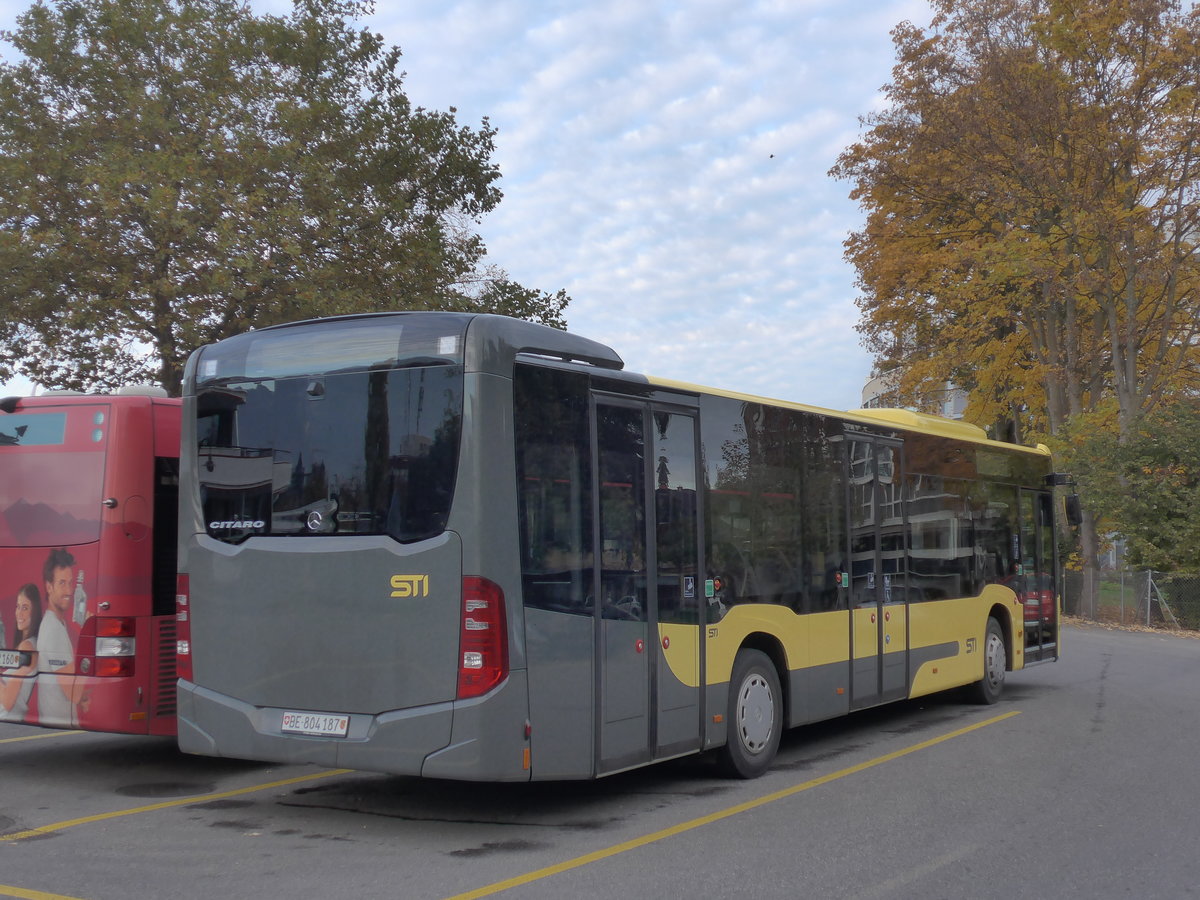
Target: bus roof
{"x":494,"y":342}
{"x":905,"y":419}
{"x":491,"y":344}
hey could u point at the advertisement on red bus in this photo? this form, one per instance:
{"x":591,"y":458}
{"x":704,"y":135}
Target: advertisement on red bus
{"x":88,"y":490}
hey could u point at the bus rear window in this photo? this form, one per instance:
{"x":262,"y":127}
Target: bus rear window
{"x":352,"y":453}
{"x":39,"y":430}
{"x":52,"y":477}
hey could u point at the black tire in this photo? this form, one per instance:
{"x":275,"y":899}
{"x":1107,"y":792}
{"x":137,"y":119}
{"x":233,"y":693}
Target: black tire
{"x":755,"y":716}
{"x":995,"y":660}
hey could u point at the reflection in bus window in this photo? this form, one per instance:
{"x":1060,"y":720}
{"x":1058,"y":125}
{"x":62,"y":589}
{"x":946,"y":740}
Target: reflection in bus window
{"x":621,"y":467}
{"x":290,"y":456}
{"x":776,"y":510}
{"x":554,"y":499}
{"x":51,"y":482}
{"x":675,"y":517}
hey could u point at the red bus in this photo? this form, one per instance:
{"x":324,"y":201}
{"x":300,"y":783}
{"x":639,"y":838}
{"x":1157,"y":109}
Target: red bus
{"x":89,"y":487}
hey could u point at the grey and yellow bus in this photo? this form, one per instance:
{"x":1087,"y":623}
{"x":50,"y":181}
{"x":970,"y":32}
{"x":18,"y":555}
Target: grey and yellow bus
{"x":471,"y":547}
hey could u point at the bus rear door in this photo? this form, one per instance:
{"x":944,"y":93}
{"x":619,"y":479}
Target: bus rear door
{"x":879,"y":600}
{"x":646,"y":582}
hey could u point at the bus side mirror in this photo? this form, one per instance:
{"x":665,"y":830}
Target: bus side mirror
{"x":1074,"y":511}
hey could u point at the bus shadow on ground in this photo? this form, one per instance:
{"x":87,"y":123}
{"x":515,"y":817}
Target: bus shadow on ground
{"x":612,"y":801}
{"x":126,"y":765}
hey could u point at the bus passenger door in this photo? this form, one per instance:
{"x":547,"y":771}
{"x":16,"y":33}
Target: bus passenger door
{"x":1037,"y":577}
{"x":678,"y":587}
{"x":878,"y":568}
{"x":647,"y":540}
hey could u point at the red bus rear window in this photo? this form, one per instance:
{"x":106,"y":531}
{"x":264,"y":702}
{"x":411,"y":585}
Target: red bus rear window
{"x":52,"y":476}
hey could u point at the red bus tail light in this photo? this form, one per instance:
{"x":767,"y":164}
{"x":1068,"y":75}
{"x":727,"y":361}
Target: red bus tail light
{"x":183,"y":627}
{"x":483,"y":646}
{"x":107,"y":646}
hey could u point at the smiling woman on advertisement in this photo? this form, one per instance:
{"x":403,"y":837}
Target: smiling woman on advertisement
{"x":16,"y":683}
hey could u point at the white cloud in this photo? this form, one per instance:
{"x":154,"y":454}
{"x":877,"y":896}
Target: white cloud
{"x":666,"y":164}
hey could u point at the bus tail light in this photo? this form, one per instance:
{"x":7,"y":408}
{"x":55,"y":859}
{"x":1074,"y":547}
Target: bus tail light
{"x":183,"y":627}
{"x":483,"y":646}
{"x":107,"y":646}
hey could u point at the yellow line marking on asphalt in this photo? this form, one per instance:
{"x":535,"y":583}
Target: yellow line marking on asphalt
{"x":740,"y":808}
{"x":9,"y":891}
{"x":166,"y":804}
{"x":38,"y":737}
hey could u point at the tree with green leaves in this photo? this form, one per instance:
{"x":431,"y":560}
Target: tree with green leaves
{"x":1146,"y":487}
{"x":173,"y":172}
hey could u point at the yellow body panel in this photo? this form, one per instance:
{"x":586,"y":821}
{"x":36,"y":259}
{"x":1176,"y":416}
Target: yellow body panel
{"x":820,"y":639}
{"x":963,"y":622}
{"x":725,"y":638}
{"x":681,"y":651}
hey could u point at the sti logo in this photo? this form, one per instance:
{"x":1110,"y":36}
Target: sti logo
{"x":410,"y":586}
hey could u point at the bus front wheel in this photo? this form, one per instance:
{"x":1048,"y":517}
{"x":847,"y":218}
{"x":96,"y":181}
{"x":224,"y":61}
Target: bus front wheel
{"x":995,"y":661}
{"x":755,"y":716}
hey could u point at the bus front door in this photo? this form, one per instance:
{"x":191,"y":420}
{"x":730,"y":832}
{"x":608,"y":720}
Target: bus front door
{"x":1037,"y":581}
{"x":646,"y":583}
{"x":878,"y":590}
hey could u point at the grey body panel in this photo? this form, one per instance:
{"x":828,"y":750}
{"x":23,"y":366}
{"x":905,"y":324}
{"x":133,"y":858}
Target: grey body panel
{"x":561,"y":714}
{"x":465,"y":739}
{"x":337,"y":642}
{"x":918,"y":656}
{"x":814,"y":693}
{"x":487,"y":742}
{"x":716,"y":701}
{"x":216,"y":725}
{"x":494,"y":342}
{"x":485,"y":498}
{"x":679,"y":708}
{"x":625,"y":694}
{"x":896,"y":680}
{"x":390,"y":662}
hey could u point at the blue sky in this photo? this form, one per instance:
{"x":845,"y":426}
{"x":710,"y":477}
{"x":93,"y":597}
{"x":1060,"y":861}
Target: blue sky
{"x":665,"y":163}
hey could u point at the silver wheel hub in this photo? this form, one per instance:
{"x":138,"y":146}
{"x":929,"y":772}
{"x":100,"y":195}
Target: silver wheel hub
{"x":994,"y":660}
{"x":755,"y":713}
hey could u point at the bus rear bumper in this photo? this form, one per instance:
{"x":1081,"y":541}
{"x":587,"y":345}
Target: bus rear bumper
{"x":212,"y":724}
{"x":444,"y":740}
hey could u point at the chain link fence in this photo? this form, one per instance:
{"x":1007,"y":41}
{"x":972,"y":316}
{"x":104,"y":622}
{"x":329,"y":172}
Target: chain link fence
{"x":1155,"y":599}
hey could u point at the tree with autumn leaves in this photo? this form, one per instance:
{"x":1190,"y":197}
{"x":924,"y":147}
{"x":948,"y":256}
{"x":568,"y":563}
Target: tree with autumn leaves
{"x":1032,"y":223}
{"x":173,"y":172}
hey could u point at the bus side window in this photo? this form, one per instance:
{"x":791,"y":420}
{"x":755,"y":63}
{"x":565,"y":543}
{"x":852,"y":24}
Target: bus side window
{"x":553,"y":489}
{"x":166,"y":530}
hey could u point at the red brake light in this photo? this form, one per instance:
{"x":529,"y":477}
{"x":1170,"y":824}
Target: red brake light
{"x":114,"y":627}
{"x":111,"y":666}
{"x":483,"y":645}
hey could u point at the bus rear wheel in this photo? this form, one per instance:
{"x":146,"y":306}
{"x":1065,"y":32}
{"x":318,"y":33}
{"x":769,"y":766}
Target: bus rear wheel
{"x":755,"y":716}
{"x":995,"y":660}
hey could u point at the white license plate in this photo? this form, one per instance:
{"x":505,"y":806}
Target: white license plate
{"x":320,"y":724}
{"x":10,"y":659}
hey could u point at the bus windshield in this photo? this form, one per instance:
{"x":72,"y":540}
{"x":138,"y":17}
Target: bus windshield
{"x":366,"y":445}
{"x":63,"y":455}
